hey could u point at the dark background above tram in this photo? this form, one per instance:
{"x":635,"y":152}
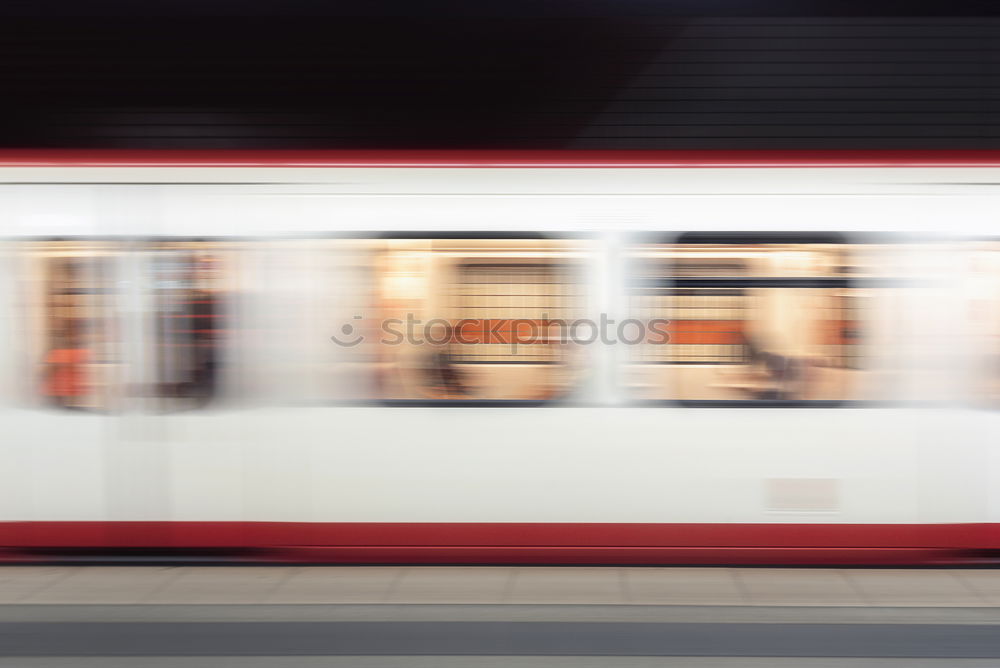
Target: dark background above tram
{"x":630,"y":74}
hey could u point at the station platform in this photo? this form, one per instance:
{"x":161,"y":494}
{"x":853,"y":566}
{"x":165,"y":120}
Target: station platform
{"x":479,"y":617}
{"x":338,"y":585}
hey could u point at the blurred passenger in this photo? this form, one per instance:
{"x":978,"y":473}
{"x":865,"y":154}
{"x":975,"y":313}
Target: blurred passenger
{"x":786,"y":373}
{"x":191,"y":331}
{"x":66,"y":384}
{"x":442,"y":377}
{"x":781,"y":377}
{"x":205,"y":334}
{"x":570,"y":369}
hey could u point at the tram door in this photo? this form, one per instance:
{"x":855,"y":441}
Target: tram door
{"x":68,"y":365}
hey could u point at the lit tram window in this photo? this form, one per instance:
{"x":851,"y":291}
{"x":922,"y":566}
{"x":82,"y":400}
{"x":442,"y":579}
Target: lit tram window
{"x":191,"y":288}
{"x":71,"y":299}
{"x":477,"y":319}
{"x":308,"y":321}
{"x":750,"y":319}
{"x":982,"y":295}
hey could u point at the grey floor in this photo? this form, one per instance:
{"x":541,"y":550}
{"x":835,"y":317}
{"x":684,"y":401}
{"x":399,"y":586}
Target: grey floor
{"x":484,"y":616}
{"x":487,"y":585}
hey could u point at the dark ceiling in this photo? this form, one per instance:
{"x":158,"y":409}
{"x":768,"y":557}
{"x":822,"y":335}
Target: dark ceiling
{"x":627,"y":74}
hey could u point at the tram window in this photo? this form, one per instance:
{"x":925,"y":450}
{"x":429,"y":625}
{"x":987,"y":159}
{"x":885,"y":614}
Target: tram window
{"x":473,"y":319}
{"x":308,"y":321}
{"x":190,"y":320}
{"x":755,"y":319}
{"x":983,"y":308}
{"x":72,"y":295}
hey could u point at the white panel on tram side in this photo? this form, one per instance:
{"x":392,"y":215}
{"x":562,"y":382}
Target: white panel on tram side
{"x":569,"y":200}
{"x":945,"y":325}
{"x":955,"y":453}
{"x":610,"y":465}
{"x":47,"y":211}
{"x":610,"y":300}
{"x":209,"y":466}
{"x":136,"y":455}
{"x":302,"y":290}
{"x":253,"y":213}
{"x":989,"y":433}
{"x":580,"y":181}
{"x":15,"y":464}
{"x":277,"y":467}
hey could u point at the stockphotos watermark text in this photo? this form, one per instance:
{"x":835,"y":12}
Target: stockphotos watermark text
{"x":510,"y":331}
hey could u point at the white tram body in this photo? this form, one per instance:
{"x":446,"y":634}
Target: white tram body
{"x":830,"y":396}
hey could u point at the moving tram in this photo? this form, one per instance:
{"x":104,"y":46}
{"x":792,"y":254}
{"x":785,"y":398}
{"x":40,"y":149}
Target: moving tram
{"x":643,"y":358}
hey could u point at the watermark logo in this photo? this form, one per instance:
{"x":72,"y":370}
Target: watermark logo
{"x":349,"y":335}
